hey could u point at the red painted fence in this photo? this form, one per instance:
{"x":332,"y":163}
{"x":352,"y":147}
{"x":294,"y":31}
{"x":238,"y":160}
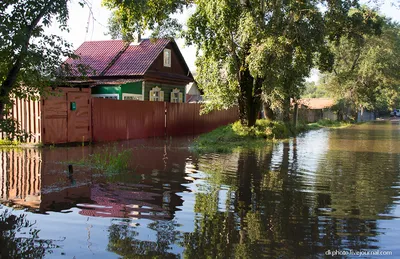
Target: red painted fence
{"x":122,"y":120}
{"x":185,"y":119}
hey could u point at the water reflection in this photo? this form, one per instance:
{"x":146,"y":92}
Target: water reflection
{"x":286,"y":209}
{"x":123,"y":240}
{"x":326,"y":190}
{"x":39,"y":180}
{"x":20,"y":239}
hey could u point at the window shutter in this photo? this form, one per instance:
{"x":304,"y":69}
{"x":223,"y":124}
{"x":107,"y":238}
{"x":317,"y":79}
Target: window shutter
{"x":151,"y":95}
{"x":181,"y":97}
{"x":161,"y":96}
{"x":171,"y":97}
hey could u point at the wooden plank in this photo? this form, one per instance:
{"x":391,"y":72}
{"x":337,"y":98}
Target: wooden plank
{"x":25,"y":115}
{"x":55,"y":131}
{"x":3,"y":173}
{"x":38,"y":121}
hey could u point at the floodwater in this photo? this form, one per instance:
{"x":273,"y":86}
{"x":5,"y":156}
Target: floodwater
{"x":325,"y":193}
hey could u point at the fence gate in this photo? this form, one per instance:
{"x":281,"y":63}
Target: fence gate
{"x":79,"y":117}
{"x":66,"y":116}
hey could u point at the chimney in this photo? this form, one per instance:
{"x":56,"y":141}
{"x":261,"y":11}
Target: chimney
{"x":137,"y":40}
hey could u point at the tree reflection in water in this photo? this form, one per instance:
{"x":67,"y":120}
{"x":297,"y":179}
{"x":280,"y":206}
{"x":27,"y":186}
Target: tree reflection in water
{"x":273,"y":210}
{"x":19,"y":238}
{"x":123,"y":240}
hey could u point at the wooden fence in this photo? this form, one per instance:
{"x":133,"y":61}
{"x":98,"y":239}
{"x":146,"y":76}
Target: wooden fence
{"x":27,"y":114}
{"x":53,"y":120}
{"x":122,"y":120}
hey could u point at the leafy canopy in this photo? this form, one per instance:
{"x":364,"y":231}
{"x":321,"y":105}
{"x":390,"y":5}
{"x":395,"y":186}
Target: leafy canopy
{"x":29,"y":58}
{"x":366,"y":70}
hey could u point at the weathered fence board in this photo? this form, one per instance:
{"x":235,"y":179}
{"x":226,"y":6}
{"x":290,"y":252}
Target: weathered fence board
{"x":27,"y":114}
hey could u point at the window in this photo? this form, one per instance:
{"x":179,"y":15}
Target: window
{"x":176,"y":96}
{"x":106,"y":96}
{"x":135,"y":97}
{"x":167,"y":58}
{"x":156,"y":95}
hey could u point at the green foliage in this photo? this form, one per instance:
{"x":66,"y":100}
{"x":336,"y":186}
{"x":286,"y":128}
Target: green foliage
{"x":137,"y":16}
{"x":109,"y":160}
{"x":365,"y":72}
{"x":30,"y":58}
{"x":13,"y":131}
{"x":11,"y":143}
{"x":252,"y":47}
{"x":313,"y":90}
{"x":227,"y":138}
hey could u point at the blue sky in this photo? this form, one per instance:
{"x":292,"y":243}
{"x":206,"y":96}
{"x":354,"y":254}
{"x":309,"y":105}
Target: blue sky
{"x":85,"y":27}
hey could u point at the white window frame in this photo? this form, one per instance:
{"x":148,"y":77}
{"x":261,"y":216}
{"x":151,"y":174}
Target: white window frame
{"x":106,"y":96}
{"x":160,"y":94}
{"x":173,"y":98}
{"x":167,"y":58}
{"x":137,"y":97}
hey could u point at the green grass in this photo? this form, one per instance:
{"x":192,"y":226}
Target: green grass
{"x":9,"y":143}
{"x":110,"y":161}
{"x":227,"y":138}
{"x":328,"y":124}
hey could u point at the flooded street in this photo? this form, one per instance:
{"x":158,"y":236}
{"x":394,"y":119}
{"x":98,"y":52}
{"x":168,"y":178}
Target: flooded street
{"x":327,"y":191}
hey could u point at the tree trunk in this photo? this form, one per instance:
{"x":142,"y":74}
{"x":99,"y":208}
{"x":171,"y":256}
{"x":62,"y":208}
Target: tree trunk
{"x":286,"y":110}
{"x":295,"y":114}
{"x":1,"y":108}
{"x":251,"y":91}
{"x":242,"y":110}
{"x":268,"y":112}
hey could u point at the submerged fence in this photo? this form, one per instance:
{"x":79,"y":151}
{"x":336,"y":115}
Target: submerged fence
{"x":122,"y":120}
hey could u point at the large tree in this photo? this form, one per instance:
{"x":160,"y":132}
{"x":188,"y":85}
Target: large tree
{"x":30,"y":58}
{"x":366,"y":67}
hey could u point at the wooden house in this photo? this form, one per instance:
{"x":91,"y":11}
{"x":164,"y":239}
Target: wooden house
{"x":149,"y":70}
{"x":315,"y":109}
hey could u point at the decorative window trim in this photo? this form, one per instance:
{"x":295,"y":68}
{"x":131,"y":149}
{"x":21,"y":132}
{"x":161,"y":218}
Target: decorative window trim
{"x":106,"y":96}
{"x":154,"y":97}
{"x":174,"y":98}
{"x":137,"y":97}
{"x":167,"y":57}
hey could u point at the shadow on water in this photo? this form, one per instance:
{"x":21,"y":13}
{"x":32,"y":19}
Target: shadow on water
{"x":295,"y":199}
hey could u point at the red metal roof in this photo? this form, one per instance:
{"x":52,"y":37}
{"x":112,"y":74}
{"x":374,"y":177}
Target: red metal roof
{"x":137,"y":58}
{"x":97,"y":54}
{"x":111,"y":58}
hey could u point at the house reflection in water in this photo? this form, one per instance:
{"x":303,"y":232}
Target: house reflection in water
{"x":37,"y":179}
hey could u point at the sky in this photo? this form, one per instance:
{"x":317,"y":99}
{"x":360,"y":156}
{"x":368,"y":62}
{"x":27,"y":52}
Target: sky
{"x":87,"y":26}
